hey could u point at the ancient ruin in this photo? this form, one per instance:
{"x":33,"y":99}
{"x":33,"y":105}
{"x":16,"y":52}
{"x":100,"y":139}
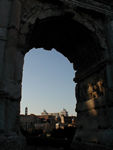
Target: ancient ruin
{"x":82,"y":30}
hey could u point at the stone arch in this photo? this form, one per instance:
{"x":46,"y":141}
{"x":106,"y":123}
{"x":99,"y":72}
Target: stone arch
{"x":58,"y":33}
{"x":46,"y":33}
{"x":38,"y":10}
{"x":93,"y":77}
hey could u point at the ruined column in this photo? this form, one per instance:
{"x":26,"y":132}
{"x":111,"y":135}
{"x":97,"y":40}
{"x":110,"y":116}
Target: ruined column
{"x":10,"y":80}
{"x":4,"y":13}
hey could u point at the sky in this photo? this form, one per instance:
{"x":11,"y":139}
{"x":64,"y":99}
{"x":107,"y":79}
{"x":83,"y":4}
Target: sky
{"x":47,"y":83}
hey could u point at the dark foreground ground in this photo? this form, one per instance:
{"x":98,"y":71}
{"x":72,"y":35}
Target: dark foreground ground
{"x":43,"y":148}
{"x":34,"y":143}
{"x":58,"y":140}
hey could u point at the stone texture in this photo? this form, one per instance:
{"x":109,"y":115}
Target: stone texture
{"x":3,"y":34}
{"x":2,"y":116}
{"x":15,"y":15}
{"x":12,"y":142}
{"x":5,"y":13}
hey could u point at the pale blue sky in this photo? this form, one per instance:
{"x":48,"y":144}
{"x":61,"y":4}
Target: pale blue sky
{"x":47,"y":82}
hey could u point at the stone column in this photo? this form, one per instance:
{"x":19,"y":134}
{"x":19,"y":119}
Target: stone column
{"x":4,"y":13}
{"x":10,"y":80}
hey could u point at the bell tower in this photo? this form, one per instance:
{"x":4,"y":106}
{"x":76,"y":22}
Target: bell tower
{"x":26,"y":111}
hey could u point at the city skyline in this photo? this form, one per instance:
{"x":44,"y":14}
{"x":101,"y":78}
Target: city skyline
{"x":47,"y":82}
{"x":26,"y":111}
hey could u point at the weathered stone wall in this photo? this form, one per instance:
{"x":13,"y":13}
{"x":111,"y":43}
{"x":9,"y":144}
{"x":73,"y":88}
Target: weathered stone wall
{"x":10,"y":86}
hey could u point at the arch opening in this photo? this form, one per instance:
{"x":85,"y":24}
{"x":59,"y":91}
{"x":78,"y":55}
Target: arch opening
{"x":48,"y":86}
{"x":47,"y":72}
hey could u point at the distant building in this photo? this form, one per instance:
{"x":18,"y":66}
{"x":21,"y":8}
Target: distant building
{"x":54,"y":114}
{"x":47,"y":121}
{"x":44,"y":112}
{"x":33,"y":122}
{"x":57,"y":125}
{"x":62,"y":119}
{"x":27,"y":121}
{"x":64,"y":113}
